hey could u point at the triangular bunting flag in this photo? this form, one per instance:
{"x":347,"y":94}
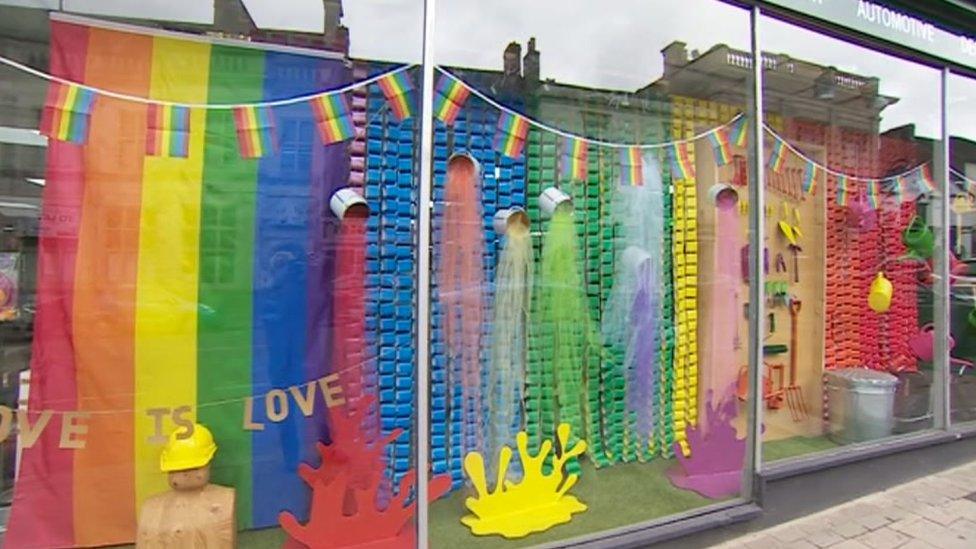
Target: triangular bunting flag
{"x":333,"y":117}
{"x":631,"y":167}
{"x":737,"y":132}
{"x":925,"y":178}
{"x":256,"y":135}
{"x":573,"y":160}
{"x":168,"y":131}
{"x":449,"y":97}
{"x":510,"y":135}
{"x":67,"y":111}
{"x":873,"y":195}
{"x":396,"y":88}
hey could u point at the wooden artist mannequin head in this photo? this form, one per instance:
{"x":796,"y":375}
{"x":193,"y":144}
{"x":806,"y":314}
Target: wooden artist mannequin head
{"x":189,"y":480}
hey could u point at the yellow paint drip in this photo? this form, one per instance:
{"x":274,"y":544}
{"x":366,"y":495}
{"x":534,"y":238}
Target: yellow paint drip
{"x":535,"y":504}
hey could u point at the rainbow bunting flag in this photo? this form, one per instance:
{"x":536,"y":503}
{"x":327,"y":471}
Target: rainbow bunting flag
{"x":737,"y":132}
{"x":449,"y":97}
{"x":168,"y":130}
{"x":843,"y":192}
{"x":572,"y":164}
{"x":396,"y":88}
{"x":183,"y":309}
{"x":66,"y":113}
{"x":898,"y":187}
{"x":873,"y":195}
{"x":721,"y":147}
{"x":631,"y":167}
{"x":810,"y":174}
{"x":256,"y":135}
{"x":926,"y":179}
{"x":681,"y":166}
{"x":777,"y":157}
{"x":333,"y":117}
{"x":510,"y":134}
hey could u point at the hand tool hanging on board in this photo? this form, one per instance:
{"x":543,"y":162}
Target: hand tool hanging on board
{"x":794,"y":395}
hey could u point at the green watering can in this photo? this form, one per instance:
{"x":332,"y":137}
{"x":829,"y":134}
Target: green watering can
{"x":919,"y":239}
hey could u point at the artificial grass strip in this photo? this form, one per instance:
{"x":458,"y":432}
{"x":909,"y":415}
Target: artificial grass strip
{"x":794,"y":447}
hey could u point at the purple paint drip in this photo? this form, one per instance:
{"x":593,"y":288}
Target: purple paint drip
{"x":714,"y":468}
{"x":641,"y":364}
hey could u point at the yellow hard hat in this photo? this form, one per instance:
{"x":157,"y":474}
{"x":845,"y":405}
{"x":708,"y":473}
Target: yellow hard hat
{"x":191,"y":452}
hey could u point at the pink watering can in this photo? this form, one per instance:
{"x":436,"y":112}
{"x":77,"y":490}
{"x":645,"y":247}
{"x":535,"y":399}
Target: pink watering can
{"x":922,"y":344}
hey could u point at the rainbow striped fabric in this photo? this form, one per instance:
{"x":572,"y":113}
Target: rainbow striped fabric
{"x":777,"y":158}
{"x":737,"y":132}
{"x":210,"y":293}
{"x":66,"y":113}
{"x":810,"y":174}
{"x":843,"y":193}
{"x":256,"y":135}
{"x":572,"y":164}
{"x":510,"y":134}
{"x":168,"y":130}
{"x":396,"y":88}
{"x":333,"y":117}
{"x":874,"y":195}
{"x":681,"y":166}
{"x":631,"y":167}
{"x":449,"y":97}
{"x":721,"y":146}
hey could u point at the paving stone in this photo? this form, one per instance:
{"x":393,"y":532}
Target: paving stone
{"x":849,"y":529}
{"x":873,"y":521}
{"x":965,"y":527}
{"x":849,"y":544}
{"x":960,"y":508}
{"x":883,"y":538}
{"x":938,"y":515}
{"x":825,"y":538}
{"x":789,"y":533}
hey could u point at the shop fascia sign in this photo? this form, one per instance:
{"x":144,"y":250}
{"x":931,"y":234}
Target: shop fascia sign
{"x":889,"y":24}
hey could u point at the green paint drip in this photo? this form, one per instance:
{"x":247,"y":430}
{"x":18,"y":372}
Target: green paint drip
{"x":564,"y":338}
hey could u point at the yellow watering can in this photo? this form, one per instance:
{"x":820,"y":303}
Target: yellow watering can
{"x":879,"y":298}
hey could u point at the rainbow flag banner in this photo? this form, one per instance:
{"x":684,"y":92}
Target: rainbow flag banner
{"x":777,"y":158}
{"x":208,"y":294}
{"x":738,"y":131}
{"x":66,"y":113}
{"x":510,"y":134}
{"x":721,"y":146}
{"x":573,"y":160}
{"x":810,"y":174}
{"x":631,"y":167}
{"x":168,"y":130}
{"x":449,"y":98}
{"x":396,"y":88}
{"x":256,"y":134}
{"x":843,"y":192}
{"x":333,"y":117}
{"x":681,"y":166}
{"x":874,"y":195}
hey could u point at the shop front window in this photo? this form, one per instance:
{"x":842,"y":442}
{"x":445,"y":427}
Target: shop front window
{"x":850,"y":186}
{"x":587,"y":334}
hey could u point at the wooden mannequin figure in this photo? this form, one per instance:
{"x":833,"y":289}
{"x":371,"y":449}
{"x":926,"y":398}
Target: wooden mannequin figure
{"x":194,"y":514}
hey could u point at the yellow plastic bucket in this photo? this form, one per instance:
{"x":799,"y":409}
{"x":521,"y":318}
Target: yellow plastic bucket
{"x":879,"y":298}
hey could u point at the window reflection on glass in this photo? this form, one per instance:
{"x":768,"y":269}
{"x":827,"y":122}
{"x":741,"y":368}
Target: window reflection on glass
{"x":962,"y":208}
{"x":850,"y":236}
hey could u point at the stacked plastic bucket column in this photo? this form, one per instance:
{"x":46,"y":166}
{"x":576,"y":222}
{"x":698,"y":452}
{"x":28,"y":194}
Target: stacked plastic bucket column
{"x":665,"y":430}
{"x":390,"y":269}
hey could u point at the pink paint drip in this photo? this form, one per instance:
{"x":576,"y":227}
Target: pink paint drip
{"x":461,"y":285}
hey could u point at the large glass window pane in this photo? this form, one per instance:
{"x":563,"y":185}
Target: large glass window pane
{"x":167,"y":260}
{"x":961,"y":92}
{"x":849,"y":191}
{"x":582,"y":280}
